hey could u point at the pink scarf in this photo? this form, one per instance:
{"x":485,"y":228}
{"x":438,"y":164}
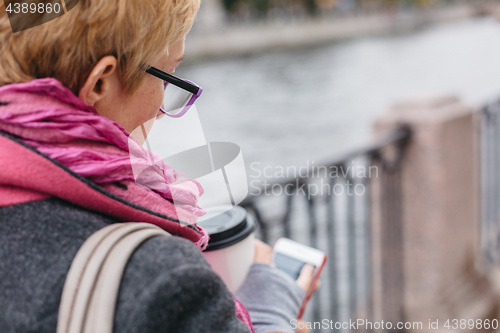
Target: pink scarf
{"x":48,"y":116}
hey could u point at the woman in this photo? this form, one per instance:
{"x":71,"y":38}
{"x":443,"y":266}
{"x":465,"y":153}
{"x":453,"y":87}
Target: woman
{"x":71,"y":92}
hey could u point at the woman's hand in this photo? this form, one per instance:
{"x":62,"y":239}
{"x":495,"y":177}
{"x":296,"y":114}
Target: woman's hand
{"x":298,"y":330}
{"x":304,"y":282}
{"x":263,"y":255}
{"x":305,"y":278}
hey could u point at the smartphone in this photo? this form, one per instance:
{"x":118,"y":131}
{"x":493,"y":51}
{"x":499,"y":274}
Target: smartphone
{"x":290,"y":256}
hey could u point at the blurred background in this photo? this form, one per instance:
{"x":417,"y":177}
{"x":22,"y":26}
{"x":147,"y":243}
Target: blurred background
{"x":408,"y":87}
{"x":313,"y":93}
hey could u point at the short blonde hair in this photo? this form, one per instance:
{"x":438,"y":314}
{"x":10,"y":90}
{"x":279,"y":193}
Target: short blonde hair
{"x":136,"y":32}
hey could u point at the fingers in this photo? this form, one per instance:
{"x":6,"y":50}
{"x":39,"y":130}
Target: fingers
{"x":305,"y":277}
{"x":317,"y":284}
{"x":263,"y":253}
{"x":301,"y":330}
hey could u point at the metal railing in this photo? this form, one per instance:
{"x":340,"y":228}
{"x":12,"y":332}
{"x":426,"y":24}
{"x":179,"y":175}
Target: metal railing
{"x":490,"y":183}
{"x":319,"y":210}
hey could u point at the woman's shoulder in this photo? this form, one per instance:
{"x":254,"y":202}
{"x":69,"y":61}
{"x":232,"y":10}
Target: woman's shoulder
{"x":166,"y":277}
{"x":169,"y":287}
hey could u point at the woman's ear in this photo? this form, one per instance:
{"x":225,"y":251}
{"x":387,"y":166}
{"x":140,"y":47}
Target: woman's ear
{"x":99,"y":81}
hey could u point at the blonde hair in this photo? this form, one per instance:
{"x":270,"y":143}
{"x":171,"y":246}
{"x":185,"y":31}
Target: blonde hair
{"x":136,"y":32}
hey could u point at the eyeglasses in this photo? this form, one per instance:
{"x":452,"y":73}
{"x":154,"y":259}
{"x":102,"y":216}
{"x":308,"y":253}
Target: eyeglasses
{"x":180,"y":94}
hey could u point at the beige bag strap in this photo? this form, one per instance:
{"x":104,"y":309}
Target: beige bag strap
{"x":89,"y":296}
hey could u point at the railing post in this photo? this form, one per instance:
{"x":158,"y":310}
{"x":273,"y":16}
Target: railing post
{"x":437,"y":217}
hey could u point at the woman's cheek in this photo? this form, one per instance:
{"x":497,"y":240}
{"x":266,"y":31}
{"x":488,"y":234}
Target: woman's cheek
{"x":154,"y":101}
{"x":158,"y":100}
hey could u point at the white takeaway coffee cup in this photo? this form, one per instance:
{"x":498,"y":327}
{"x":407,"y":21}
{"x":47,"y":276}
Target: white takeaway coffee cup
{"x":231,"y":249}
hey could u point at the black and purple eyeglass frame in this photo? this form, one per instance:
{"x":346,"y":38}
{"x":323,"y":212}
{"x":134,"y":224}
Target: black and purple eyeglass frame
{"x":180,"y":94}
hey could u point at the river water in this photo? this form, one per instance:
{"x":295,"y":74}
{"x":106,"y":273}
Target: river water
{"x":286,"y":108}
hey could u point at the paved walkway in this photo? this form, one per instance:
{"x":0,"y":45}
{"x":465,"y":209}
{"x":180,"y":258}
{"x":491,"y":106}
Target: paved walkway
{"x":244,"y":40}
